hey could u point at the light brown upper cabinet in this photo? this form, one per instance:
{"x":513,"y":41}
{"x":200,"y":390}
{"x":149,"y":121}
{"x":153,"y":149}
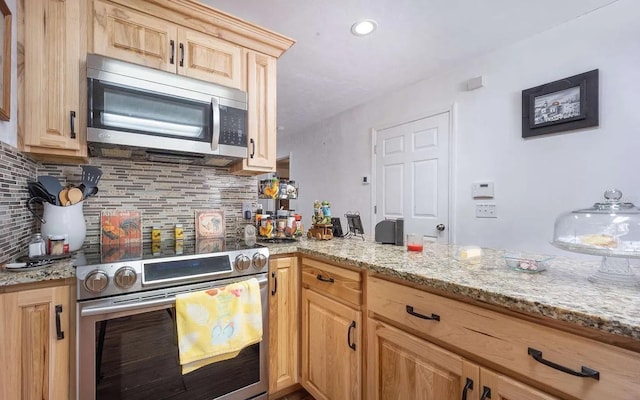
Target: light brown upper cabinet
{"x":51,"y":79}
{"x":140,"y":38}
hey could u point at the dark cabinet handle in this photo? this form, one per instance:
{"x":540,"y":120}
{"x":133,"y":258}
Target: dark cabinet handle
{"x":72,"y":123}
{"x":323,"y":279}
{"x":181,"y":55}
{"x":467,"y":386}
{"x":253,"y":148}
{"x":585,"y":372}
{"x":172,"y":45}
{"x":351,"y":345}
{"x":59,"y":332}
{"x":486,"y":393}
{"x":434,"y":317}
{"x":275,"y":283}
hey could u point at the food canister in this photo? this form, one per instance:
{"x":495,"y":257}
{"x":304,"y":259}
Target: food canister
{"x":56,"y":245}
{"x":156,"y":236}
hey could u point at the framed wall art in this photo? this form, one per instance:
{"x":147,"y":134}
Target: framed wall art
{"x":566,"y":104}
{"x":5,"y":62}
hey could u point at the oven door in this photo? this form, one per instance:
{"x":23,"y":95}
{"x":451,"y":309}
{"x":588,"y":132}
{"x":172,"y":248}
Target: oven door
{"x":127,"y":349}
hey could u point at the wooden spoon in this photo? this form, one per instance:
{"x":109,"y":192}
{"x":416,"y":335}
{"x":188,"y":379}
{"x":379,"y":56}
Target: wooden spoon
{"x":64,"y":197}
{"x":75,"y":195}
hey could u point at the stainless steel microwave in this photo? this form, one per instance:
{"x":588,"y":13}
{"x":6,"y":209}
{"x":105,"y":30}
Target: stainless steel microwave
{"x":137,"y":112}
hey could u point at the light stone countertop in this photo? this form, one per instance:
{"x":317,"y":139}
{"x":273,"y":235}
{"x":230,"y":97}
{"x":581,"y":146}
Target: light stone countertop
{"x":562,"y":292}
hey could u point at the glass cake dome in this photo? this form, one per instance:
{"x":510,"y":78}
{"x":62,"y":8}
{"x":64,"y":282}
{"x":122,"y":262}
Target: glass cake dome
{"x":610,"y":229}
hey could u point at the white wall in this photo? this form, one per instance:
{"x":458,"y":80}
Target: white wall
{"x":535,"y":179}
{"x":9,"y":129}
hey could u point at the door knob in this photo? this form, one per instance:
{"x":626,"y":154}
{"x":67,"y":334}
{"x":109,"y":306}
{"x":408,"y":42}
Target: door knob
{"x":440,"y":227}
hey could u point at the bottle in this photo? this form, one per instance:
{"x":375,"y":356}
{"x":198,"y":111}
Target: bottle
{"x":179,"y":232}
{"x":37,"y":246}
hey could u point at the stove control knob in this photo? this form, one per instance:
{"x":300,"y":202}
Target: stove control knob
{"x":125,"y":277}
{"x":242,"y":262}
{"x":96,"y":281}
{"x":259,"y":261}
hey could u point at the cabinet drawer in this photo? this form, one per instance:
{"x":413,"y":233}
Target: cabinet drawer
{"x":339,"y":283}
{"x":505,"y":341}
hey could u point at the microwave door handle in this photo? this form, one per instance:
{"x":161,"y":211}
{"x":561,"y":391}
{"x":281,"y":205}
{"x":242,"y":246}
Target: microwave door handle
{"x":215,"y":114}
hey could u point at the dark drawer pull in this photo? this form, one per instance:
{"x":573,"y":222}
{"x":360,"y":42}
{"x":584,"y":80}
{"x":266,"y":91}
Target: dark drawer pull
{"x":275,"y":284}
{"x":351,"y":345}
{"x":486,"y":393}
{"x":434,"y":317}
{"x":72,"y":124}
{"x":59,"y":332}
{"x":323,"y":279}
{"x":172,"y":46}
{"x":584,"y":373}
{"x":467,"y":386}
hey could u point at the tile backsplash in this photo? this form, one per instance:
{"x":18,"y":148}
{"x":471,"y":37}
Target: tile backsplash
{"x":164,"y":194}
{"x":16,"y":222}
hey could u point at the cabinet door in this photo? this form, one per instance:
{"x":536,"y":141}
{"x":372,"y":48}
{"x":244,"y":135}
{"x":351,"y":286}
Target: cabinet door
{"x":405,"y":367}
{"x":51,"y":50}
{"x":503,"y":388}
{"x":261,"y":91}
{"x":36,"y":361}
{"x":331,"y":348}
{"x":135,"y":37}
{"x":209,"y":59}
{"x":283,"y":323}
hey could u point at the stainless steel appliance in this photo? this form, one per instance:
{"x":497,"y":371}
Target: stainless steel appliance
{"x":390,"y":231}
{"x":126,"y":333}
{"x":143,"y":113}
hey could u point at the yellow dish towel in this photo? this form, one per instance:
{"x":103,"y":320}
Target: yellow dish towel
{"x":215,"y":324}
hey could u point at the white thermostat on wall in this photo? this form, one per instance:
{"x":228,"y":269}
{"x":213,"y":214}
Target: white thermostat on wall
{"x":482,"y":190}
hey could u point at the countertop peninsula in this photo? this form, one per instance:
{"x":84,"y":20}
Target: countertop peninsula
{"x":562,"y":292}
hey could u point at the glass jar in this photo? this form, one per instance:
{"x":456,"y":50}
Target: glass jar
{"x":37,"y":247}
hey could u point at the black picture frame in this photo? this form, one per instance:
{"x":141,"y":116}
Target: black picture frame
{"x":563,"y":105}
{"x":355,"y":224}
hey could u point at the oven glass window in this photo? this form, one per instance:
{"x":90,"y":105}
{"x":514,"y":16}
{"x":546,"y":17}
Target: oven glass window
{"x":126,"y":109}
{"x":137,"y":359}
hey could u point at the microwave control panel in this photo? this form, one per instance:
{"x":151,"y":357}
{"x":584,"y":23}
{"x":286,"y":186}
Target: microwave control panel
{"x":233,"y":126}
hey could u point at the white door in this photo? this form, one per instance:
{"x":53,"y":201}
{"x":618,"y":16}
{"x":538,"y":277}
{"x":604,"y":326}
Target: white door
{"x":412,"y":176}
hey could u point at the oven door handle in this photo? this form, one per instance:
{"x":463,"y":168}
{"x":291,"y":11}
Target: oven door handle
{"x":85,"y":312}
{"x":170,"y":299}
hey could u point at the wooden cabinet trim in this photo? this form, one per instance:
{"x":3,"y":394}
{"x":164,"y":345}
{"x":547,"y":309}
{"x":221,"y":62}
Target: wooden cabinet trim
{"x":213,"y":22}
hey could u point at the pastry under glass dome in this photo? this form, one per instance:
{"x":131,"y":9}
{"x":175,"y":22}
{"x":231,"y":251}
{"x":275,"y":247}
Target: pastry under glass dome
{"x":610,"y":229}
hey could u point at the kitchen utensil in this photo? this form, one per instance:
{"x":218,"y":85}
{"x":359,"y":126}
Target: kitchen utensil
{"x":90,"y":178}
{"x":75,"y":195}
{"x":51,"y":184}
{"x":63,"y":196}
{"x":30,"y":207}
{"x":36,"y":189}
{"x":93,"y":192}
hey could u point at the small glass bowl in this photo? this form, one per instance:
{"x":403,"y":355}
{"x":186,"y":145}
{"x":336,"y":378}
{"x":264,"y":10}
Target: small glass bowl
{"x":527,"y":263}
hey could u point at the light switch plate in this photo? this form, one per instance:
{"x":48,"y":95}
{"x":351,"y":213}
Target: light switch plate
{"x":486,"y":210}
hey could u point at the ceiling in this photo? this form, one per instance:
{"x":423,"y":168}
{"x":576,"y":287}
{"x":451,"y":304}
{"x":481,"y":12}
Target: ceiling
{"x":329,"y":70}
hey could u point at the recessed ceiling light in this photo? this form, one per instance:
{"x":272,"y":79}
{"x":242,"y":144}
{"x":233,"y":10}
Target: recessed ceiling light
{"x":364,"y":27}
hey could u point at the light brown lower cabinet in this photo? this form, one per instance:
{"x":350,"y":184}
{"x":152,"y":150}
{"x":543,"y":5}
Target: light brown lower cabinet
{"x":284,"y":318}
{"x":331,"y":348}
{"x":34,"y":344}
{"x":402,"y":366}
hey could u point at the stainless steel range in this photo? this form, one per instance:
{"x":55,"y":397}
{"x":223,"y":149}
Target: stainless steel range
{"x":126,"y":335}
